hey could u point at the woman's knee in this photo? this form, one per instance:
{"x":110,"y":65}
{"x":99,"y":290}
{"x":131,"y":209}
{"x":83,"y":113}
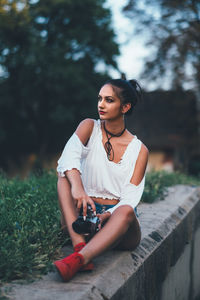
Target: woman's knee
{"x":126,"y":212}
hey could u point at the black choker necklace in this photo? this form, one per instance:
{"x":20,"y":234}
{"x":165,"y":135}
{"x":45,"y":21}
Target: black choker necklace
{"x":107,"y":145}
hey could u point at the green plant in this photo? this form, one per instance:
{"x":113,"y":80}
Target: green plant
{"x":29,"y":225}
{"x":157,"y":183}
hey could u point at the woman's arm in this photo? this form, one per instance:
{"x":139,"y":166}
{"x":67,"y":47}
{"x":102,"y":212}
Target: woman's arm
{"x":74,"y":149}
{"x":83,"y":131}
{"x":78,"y":191}
{"x":140,"y":166}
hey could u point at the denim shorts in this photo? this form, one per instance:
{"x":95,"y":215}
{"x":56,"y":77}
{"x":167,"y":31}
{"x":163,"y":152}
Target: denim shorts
{"x":101,"y":208}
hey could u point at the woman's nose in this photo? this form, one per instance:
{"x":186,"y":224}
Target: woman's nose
{"x":101,"y":103}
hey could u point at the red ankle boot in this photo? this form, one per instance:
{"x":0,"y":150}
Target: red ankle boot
{"x":70,"y":265}
{"x":90,"y":265}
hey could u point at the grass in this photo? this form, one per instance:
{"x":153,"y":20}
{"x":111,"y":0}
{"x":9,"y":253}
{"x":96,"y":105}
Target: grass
{"x":29,"y":225}
{"x":157,"y":183}
{"x":30,"y":235}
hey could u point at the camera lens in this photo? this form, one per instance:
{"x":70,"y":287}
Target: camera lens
{"x":90,"y":225}
{"x":80,"y":226}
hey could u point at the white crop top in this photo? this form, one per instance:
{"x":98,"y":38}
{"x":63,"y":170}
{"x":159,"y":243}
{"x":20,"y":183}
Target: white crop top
{"x":103,"y":178}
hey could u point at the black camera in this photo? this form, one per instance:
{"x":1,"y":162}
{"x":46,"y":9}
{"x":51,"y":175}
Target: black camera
{"x":88,"y":226}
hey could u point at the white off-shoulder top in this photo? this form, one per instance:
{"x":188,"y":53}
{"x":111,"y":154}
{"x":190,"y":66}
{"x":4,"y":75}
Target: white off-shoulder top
{"x":103,"y":178}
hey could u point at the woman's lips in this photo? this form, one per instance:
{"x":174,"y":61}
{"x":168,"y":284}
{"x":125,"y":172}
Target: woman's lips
{"x":101,"y":112}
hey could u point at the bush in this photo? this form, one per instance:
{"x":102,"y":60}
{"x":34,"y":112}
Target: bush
{"x":157,"y":183}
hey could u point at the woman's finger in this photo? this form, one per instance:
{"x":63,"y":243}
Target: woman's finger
{"x":78,"y":205}
{"x":100,"y":223}
{"x":103,"y":219}
{"x":84,"y":209}
{"x":91,"y":202}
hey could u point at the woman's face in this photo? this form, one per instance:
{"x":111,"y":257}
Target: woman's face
{"x":109,"y":105}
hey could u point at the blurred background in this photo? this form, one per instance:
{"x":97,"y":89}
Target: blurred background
{"x":56,"y":54}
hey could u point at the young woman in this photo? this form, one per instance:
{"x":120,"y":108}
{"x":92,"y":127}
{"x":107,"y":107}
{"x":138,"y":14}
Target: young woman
{"x":103,"y":165}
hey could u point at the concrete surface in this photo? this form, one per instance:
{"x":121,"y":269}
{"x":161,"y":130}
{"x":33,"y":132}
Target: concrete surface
{"x":164,"y":266}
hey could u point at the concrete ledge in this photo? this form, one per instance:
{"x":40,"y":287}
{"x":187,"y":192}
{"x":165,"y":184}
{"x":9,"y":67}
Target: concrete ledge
{"x":166,"y":264}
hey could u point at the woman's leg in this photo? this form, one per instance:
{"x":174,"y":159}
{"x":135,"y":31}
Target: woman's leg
{"x":131,"y":238}
{"x":68,"y":208}
{"x":122,"y":228}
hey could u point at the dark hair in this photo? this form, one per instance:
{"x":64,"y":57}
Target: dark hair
{"x":128,"y":91}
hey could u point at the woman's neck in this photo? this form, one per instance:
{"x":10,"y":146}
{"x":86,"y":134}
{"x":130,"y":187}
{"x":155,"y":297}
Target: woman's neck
{"x":115,"y":126}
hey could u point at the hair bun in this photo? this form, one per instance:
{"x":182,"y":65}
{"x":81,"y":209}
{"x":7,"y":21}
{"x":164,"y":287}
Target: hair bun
{"x":136,"y":87}
{"x":123,"y":76}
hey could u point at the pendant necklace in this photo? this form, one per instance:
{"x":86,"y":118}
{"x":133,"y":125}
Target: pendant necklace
{"x":108,"y":145}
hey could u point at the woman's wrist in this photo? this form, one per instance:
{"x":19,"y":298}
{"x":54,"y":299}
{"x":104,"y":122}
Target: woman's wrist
{"x":107,"y":212}
{"x":74,"y":178}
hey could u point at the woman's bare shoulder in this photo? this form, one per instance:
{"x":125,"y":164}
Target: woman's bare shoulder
{"x":86,"y":124}
{"x":84,"y":130}
{"x":129,"y":136}
{"x":144,"y":149}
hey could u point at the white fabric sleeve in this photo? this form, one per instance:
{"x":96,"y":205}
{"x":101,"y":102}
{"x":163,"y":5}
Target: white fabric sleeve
{"x":71,"y":156}
{"x":130,"y":195}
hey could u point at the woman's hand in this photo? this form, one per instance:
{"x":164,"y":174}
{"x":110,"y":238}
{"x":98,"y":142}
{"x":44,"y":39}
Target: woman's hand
{"x":103,"y":218}
{"x":82,"y":200}
{"x":78,"y":193}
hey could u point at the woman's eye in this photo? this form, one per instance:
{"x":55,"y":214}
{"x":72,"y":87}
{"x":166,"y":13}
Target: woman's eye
{"x":109,"y":100}
{"x":99,"y":98}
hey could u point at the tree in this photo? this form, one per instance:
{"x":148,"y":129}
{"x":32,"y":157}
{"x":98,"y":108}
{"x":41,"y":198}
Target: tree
{"x":49,"y":53}
{"x":173,"y":29}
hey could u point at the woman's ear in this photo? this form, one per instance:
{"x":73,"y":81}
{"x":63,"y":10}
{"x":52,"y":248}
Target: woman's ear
{"x":126,"y":107}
